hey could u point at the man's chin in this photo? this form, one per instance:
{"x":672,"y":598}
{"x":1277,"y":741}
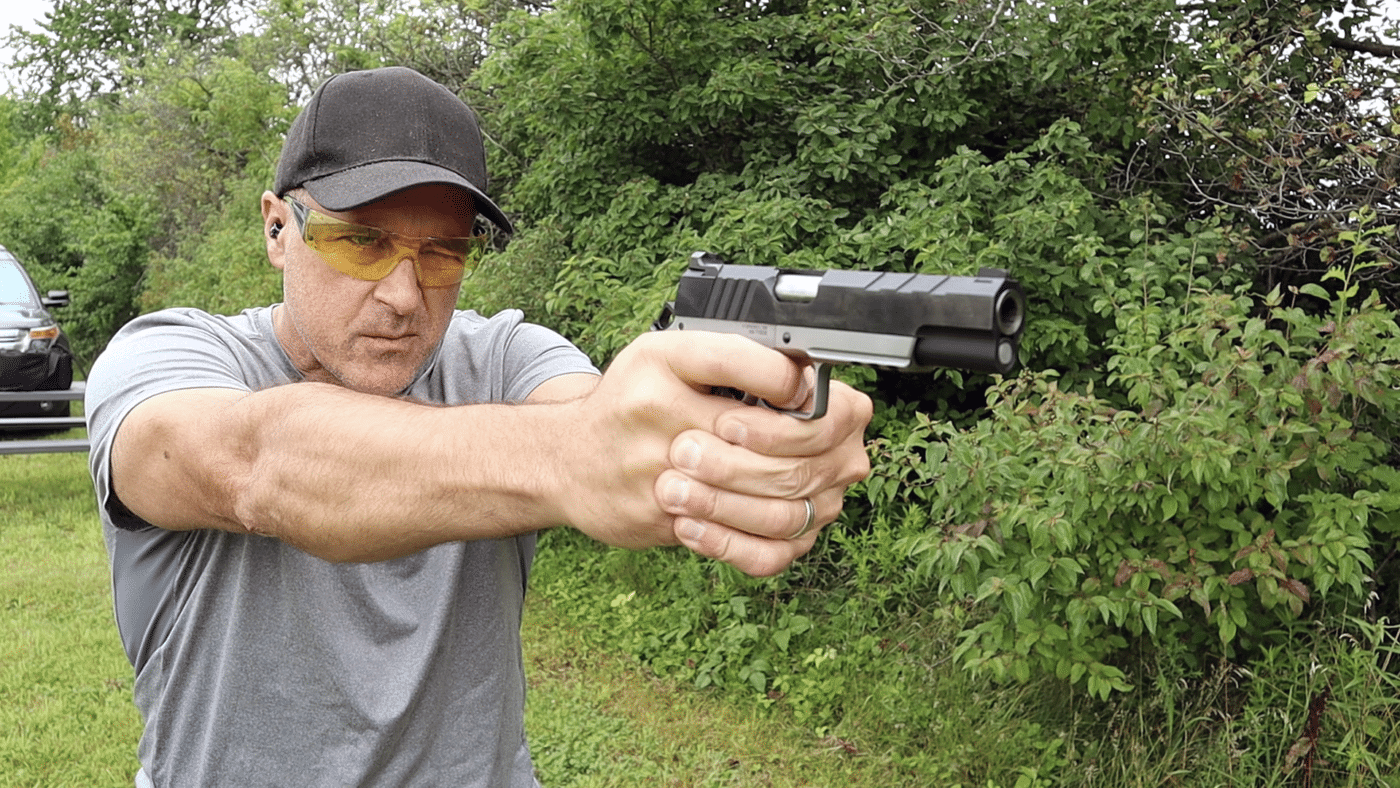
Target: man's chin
{"x":384,"y":379}
{"x":383,"y":367}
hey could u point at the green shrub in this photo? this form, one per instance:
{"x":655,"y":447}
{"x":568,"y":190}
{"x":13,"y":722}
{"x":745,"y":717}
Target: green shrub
{"x":1243,"y":483}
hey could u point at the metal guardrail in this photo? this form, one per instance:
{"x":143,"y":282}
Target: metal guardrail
{"x":43,"y":445}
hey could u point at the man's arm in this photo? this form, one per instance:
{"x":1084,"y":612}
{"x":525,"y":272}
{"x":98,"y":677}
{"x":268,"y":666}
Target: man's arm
{"x":342,"y":475}
{"x":641,"y":457}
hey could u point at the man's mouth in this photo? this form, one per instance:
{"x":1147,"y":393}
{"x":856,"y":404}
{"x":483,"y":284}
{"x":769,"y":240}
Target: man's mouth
{"x":391,"y":338}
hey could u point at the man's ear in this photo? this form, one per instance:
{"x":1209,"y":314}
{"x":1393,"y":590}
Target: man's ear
{"x":276,"y":218}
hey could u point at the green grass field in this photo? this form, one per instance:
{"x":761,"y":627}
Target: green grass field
{"x":66,"y":717}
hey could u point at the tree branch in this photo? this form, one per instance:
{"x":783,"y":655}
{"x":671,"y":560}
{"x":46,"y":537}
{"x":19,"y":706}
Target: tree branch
{"x":1364,"y":47}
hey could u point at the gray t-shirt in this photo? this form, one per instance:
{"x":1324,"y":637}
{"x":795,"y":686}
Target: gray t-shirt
{"x":258,"y":664}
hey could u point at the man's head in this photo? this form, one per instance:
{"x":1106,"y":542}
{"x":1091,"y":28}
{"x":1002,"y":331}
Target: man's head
{"x":391,"y":151}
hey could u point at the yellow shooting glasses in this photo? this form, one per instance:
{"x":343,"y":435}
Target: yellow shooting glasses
{"x":370,"y":253}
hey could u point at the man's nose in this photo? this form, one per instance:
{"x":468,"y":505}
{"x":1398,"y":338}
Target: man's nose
{"x":400,"y":289}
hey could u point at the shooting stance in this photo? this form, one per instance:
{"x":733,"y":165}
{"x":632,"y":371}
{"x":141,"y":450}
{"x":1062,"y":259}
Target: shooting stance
{"x":321,"y":514}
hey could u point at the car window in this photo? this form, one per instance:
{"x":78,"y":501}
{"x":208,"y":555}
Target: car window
{"x":14,"y":288}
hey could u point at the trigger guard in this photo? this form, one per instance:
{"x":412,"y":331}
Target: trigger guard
{"x":819,"y":400}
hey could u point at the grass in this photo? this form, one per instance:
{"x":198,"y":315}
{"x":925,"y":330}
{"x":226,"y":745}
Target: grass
{"x":66,"y":717}
{"x":597,"y":721}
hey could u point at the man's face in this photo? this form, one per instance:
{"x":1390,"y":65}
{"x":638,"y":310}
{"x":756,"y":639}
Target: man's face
{"x":368,"y":336}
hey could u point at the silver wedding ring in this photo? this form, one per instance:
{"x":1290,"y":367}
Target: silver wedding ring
{"x":811,"y":520}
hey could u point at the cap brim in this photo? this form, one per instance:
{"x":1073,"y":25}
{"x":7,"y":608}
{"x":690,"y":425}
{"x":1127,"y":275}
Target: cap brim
{"x":358,"y":186}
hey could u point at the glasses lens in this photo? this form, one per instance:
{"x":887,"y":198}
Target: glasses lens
{"x":361,"y":252}
{"x":370,"y":254}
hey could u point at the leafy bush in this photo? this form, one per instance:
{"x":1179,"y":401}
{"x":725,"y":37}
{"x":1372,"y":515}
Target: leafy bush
{"x":1245,"y":480}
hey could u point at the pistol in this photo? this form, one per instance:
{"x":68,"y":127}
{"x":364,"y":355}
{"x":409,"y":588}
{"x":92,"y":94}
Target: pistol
{"x":909,"y":322}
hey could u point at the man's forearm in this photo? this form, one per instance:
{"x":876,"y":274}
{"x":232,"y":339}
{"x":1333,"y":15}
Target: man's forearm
{"x":342,"y":475}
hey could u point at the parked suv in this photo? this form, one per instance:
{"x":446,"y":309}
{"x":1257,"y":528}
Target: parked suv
{"x":34,"y":353}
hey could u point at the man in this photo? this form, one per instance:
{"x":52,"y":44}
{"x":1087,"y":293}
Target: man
{"x":321,"y":514}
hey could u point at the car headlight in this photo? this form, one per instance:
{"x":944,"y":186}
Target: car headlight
{"x":42,"y":338}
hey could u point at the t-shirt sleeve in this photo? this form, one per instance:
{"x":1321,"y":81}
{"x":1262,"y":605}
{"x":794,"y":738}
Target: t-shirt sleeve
{"x":536,"y":354}
{"x":498,"y":359}
{"x":154,"y":354}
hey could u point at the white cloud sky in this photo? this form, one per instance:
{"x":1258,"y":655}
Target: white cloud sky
{"x":24,"y":13}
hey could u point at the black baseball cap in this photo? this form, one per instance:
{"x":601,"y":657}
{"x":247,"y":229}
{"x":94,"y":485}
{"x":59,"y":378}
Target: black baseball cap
{"x":368,"y":134}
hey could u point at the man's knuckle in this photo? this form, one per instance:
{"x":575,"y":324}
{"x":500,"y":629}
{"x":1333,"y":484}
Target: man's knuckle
{"x":771,"y":562}
{"x":723,"y":548}
{"x":835,"y":513}
{"x":793,"y":481}
{"x":705,"y":502}
{"x":783,"y":518}
{"x":858,"y":469}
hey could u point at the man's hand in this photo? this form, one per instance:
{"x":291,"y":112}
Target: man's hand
{"x":675,"y":464}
